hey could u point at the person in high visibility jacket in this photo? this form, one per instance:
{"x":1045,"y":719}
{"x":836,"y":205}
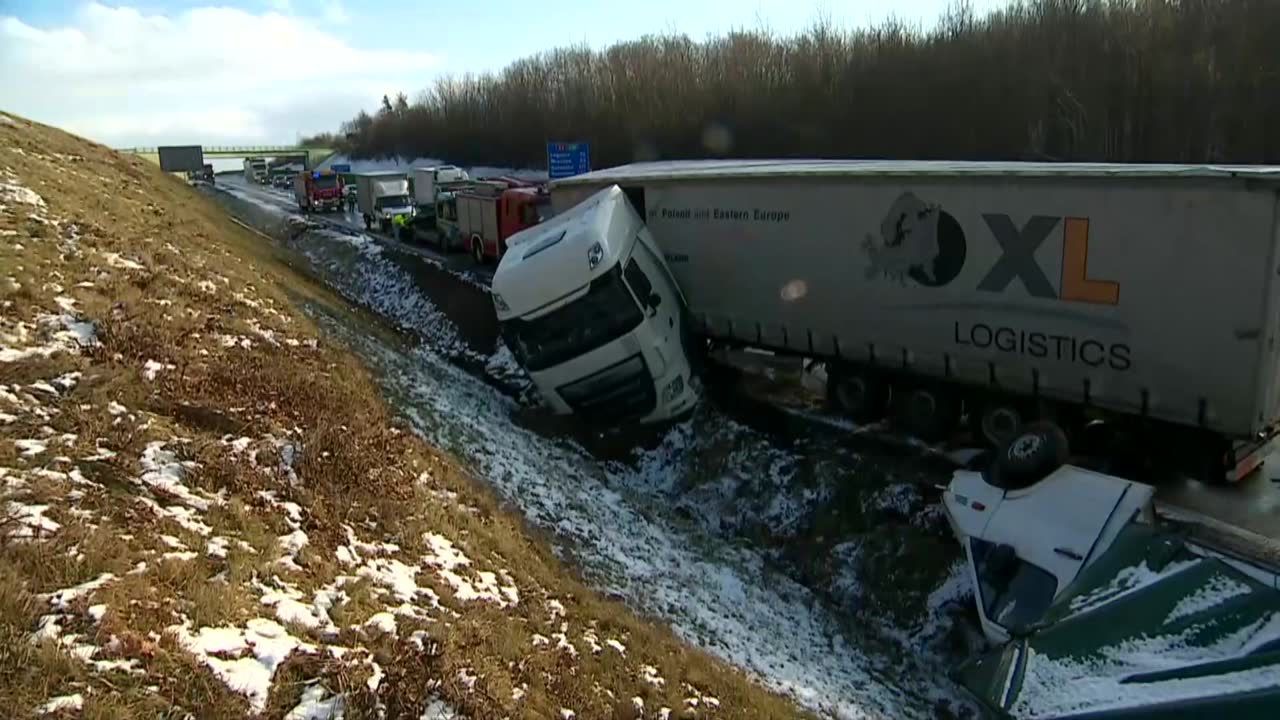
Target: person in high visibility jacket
{"x":400,"y":224}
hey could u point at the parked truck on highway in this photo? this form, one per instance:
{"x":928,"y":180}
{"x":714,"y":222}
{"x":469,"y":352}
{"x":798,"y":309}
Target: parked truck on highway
{"x":318,"y":190}
{"x":255,"y":170}
{"x":429,"y":181}
{"x":1139,"y":303}
{"x":382,"y":197}
{"x":491,"y":212}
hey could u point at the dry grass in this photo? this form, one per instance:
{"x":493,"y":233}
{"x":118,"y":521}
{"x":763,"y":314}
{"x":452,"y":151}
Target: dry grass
{"x":201,"y":279}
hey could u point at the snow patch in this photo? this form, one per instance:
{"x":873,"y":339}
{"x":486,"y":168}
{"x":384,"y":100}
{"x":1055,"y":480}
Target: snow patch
{"x":1218,"y":590}
{"x":318,"y":704}
{"x":118,"y":261}
{"x":1128,"y":580}
{"x":62,"y":599}
{"x":255,"y":654}
{"x":74,"y":702}
{"x":13,"y":191}
{"x":30,"y":519}
{"x":151,"y":368}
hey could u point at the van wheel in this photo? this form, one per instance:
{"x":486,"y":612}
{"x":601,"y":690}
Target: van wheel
{"x":1029,"y":456}
{"x":477,"y":249}
{"x":859,"y":395}
{"x":999,"y":421}
{"x":928,"y":413}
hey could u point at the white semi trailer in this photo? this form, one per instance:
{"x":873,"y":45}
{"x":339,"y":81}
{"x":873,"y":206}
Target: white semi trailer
{"x":1142,"y":298}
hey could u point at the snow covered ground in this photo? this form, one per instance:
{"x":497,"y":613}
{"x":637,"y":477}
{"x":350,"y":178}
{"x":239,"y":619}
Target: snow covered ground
{"x":664,"y":527}
{"x":721,"y":597}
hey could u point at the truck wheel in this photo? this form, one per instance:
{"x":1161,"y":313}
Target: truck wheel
{"x":999,"y":421}
{"x":1029,"y":456}
{"x":859,"y":395}
{"x":477,"y":249}
{"x":926,"y":412}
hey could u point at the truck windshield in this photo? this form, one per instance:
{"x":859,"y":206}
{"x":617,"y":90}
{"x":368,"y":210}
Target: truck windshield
{"x":325,"y":182}
{"x":605,"y":313}
{"x":1014,"y":593}
{"x":391,"y":201}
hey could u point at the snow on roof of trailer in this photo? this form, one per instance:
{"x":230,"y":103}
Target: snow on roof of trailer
{"x":696,"y":169}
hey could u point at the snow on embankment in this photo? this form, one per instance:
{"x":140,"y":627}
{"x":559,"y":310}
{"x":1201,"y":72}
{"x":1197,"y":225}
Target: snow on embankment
{"x":722,"y":598}
{"x":208,"y":510}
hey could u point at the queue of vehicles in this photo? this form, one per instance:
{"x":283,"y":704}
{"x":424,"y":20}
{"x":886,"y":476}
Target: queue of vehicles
{"x":1132,"y":309}
{"x":449,"y":209}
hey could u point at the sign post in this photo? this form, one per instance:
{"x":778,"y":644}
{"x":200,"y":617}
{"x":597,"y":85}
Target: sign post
{"x":565,"y":159}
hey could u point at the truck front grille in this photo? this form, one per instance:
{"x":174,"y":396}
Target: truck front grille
{"x":622,"y":391}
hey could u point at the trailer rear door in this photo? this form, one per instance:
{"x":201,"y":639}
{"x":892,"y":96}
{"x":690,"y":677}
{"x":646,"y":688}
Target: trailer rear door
{"x":1268,"y":384}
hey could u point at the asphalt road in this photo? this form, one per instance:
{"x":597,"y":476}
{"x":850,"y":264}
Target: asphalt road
{"x":352,"y":222}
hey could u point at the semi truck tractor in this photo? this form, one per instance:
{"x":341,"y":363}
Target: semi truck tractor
{"x":491,"y":212}
{"x":589,"y":309}
{"x":1136,"y":305}
{"x":382,"y":197}
{"x":255,"y":170}
{"x":318,"y":190}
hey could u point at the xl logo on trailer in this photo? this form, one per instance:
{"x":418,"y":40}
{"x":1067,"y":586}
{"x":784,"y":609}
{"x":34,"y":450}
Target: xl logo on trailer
{"x":922,"y":242}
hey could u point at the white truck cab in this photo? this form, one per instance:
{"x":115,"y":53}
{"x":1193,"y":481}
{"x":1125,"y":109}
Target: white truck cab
{"x":590,"y":310}
{"x":1025,"y":546}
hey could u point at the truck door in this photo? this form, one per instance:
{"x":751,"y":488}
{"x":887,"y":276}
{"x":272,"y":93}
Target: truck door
{"x":650,"y":284}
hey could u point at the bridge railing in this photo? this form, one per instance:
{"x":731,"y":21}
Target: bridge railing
{"x":291,"y":149}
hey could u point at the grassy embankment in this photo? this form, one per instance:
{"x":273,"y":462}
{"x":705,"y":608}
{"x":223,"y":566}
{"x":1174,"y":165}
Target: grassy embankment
{"x":208,"y":506}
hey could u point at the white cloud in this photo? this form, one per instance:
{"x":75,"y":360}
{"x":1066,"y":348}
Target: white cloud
{"x":210,"y":74}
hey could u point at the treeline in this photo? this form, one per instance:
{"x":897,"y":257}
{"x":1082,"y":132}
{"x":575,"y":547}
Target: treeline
{"x":1121,"y":80}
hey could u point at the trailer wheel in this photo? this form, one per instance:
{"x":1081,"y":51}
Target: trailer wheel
{"x":857,"y":394}
{"x":477,"y":249}
{"x":928,"y":413}
{"x":999,"y":421}
{"x":1029,"y":456}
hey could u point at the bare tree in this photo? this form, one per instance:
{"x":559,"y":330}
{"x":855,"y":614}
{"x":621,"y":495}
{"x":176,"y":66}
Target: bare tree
{"x":1126,"y":80}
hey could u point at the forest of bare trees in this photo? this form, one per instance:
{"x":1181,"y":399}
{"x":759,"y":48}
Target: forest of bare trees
{"x":1122,"y":80}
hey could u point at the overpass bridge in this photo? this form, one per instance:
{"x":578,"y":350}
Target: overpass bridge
{"x":310,"y":156}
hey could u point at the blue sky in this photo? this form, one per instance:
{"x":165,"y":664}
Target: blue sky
{"x":149,"y":72}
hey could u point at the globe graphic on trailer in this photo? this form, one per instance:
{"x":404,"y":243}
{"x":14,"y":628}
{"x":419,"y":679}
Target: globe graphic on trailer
{"x":948,"y":259}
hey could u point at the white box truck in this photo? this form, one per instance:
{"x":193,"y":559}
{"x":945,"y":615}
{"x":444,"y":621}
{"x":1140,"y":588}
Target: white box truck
{"x":382,"y":197}
{"x":1143,"y":298}
{"x":428,"y":180}
{"x":255,"y":170}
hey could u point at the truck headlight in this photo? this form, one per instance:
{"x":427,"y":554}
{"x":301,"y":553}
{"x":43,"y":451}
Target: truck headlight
{"x":594,"y":255}
{"x":499,"y":303}
{"x":673,"y":390}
